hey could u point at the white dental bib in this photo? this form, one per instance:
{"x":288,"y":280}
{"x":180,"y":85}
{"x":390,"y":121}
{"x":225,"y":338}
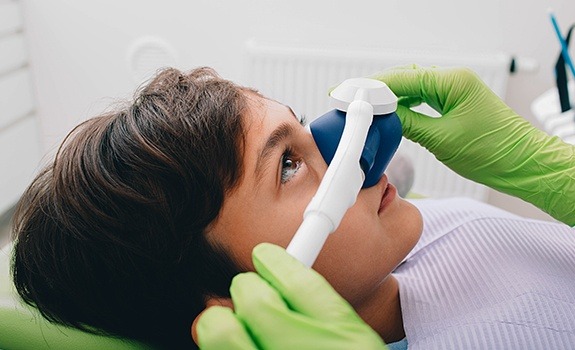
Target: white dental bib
{"x":482,"y":278}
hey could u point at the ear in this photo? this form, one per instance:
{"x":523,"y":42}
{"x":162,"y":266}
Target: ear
{"x":210,"y":301}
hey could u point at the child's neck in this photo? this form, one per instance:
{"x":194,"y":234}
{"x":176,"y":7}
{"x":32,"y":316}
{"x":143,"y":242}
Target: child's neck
{"x":382,"y":311}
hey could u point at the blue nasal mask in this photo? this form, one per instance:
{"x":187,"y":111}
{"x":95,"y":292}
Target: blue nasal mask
{"x":382,"y":141}
{"x":357,"y":140}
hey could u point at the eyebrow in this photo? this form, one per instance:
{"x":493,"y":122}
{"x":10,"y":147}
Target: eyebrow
{"x":280,"y":134}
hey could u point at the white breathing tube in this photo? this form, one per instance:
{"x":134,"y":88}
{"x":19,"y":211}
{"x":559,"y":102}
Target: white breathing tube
{"x":338,"y":190}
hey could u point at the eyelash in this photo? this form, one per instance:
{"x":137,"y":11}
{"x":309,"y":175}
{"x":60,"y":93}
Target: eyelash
{"x":288,"y":155}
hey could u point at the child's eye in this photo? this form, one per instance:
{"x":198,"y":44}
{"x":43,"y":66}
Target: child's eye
{"x":290,"y":166}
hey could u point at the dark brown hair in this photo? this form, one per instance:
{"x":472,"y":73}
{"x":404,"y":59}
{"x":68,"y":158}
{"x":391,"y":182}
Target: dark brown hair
{"x":110,"y":236}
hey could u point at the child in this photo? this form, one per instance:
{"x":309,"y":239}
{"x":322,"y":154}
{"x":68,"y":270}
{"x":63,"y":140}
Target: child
{"x":148,"y":212}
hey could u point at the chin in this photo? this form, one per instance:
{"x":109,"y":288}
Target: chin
{"x":411,"y":220}
{"x":416,"y":221}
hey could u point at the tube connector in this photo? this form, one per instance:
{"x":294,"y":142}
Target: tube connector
{"x":342,"y":141}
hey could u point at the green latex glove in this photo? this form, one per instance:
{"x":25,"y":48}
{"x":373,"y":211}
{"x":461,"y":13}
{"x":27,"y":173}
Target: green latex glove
{"x":284,"y":306}
{"x":482,"y":139}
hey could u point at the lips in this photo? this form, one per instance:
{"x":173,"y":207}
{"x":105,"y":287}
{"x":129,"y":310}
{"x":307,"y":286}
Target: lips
{"x":388,"y":194}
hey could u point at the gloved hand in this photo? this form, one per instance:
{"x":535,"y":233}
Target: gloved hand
{"x":284,"y":306}
{"x":482,"y":139}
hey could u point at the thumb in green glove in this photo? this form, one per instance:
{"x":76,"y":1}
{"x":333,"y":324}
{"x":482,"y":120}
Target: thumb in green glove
{"x":284,"y":306}
{"x":481,"y":138}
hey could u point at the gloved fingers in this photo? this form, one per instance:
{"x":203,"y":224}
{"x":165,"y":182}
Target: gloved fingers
{"x":304,"y":333}
{"x":219,"y":329}
{"x":303,"y":289}
{"x":385,"y":73}
{"x":410,"y":101}
{"x":254,"y":297}
{"x":272,"y":325}
{"x":263,"y":320}
{"x":441,"y":88}
{"x":403,"y":80}
{"x":392,"y":76}
{"x":414,"y":125}
{"x":264,"y":312}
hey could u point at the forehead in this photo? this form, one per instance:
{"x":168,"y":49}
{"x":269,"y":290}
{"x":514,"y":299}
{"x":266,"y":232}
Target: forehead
{"x":261,"y":107}
{"x":263,"y":116}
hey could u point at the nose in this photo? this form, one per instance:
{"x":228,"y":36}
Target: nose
{"x":383,"y":139}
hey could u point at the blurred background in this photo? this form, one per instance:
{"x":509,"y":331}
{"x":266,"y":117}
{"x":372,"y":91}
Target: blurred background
{"x":68,"y":60}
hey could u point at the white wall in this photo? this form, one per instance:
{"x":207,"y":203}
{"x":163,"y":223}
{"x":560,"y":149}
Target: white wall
{"x":79,"y":47}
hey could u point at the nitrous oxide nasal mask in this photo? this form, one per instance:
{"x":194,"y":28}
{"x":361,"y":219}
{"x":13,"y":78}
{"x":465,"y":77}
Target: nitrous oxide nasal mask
{"x":357,"y":140}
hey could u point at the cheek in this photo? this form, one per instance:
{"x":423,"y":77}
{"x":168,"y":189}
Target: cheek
{"x":279,"y":218}
{"x":278,"y":226}
{"x":366,"y":248}
{"x":272,"y":222}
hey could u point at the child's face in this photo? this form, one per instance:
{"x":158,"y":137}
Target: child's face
{"x":282,"y":169}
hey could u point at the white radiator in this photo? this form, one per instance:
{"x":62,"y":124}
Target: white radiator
{"x":300,"y":77}
{"x":19,"y":134}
